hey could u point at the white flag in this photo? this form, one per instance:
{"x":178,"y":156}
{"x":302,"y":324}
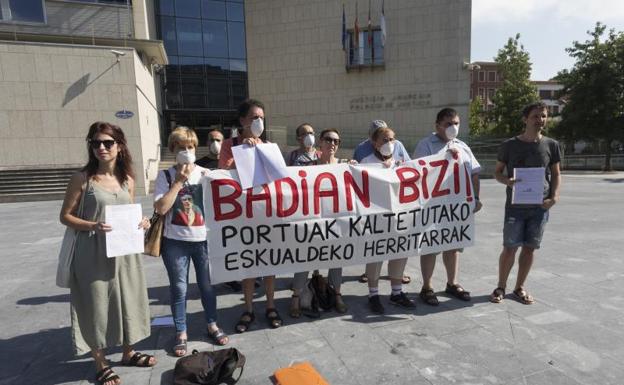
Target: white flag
{"x":382,"y":23}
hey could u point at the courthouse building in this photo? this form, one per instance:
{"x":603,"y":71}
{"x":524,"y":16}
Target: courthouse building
{"x":191,"y":62}
{"x":64,"y":65}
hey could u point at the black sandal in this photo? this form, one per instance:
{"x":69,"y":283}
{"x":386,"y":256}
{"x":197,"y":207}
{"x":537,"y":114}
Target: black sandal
{"x":140,"y":360}
{"x":428,"y":296}
{"x":245,"y":320}
{"x":458,"y":292}
{"x":274,"y":318}
{"x":497,"y":295}
{"x":106,"y":375}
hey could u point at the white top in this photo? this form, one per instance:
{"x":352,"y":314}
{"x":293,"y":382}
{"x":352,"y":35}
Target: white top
{"x":433,"y":145}
{"x":185,"y":221}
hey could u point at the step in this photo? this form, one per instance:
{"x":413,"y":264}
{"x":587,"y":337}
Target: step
{"x":31,"y":197}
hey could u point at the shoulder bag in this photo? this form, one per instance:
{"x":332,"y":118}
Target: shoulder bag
{"x":153,"y":235}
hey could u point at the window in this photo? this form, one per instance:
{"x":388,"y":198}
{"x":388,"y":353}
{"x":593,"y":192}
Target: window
{"x":236,"y":40}
{"x":189,"y":33}
{"x":545,"y":94}
{"x":168,"y":35}
{"x":213,"y":10}
{"x":481,"y":76}
{"x":215,"y":38}
{"x":491,"y":76}
{"x":491,"y":92}
{"x":235,"y":12}
{"x":482,"y":93}
{"x":24,"y":11}
{"x":555,"y":110}
{"x":187,"y":8}
{"x":365,"y":53}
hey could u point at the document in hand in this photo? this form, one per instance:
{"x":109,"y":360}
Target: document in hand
{"x":529,"y":186}
{"x":260,"y":164}
{"x":126,"y":236}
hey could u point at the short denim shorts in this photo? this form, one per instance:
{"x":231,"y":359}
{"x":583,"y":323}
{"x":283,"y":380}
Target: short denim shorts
{"x":524,"y":226}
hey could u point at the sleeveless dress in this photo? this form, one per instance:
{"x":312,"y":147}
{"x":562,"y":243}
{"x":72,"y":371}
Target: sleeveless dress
{"x":109,"y":304}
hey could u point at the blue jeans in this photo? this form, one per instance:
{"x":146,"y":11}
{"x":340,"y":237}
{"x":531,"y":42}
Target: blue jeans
{"x":524,"y":226}
{"x":177,"y":256}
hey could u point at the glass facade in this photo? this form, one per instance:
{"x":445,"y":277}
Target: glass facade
{"x":206,"y":77}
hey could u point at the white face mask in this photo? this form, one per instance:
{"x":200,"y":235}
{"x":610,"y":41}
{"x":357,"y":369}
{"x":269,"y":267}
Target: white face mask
{"x":387,"y":149}
{"x":452,"y":131}
{"x":308,"y":140}
{"x":257,"y":127}
{"x":185,"y":156}
{"x":215,"y":147}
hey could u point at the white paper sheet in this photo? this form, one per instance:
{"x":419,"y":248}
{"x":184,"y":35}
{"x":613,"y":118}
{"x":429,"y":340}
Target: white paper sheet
{"x":258,"y":164}
{"x":529,"y":186}
{"x":126,"y":236}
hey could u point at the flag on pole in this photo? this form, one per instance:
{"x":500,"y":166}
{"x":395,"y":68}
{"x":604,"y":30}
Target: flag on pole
{"x":370,"y":26}
{"x":382,"y":23}
{"x":344,"y":29}
{"x":356,"y":29}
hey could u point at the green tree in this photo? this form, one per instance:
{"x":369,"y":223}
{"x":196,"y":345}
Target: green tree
{"x":516,"y":91}
{"x":594,"y":91}
{"x":477,"y":118}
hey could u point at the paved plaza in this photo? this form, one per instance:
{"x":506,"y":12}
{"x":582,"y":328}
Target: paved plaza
{"x":573,"y":334}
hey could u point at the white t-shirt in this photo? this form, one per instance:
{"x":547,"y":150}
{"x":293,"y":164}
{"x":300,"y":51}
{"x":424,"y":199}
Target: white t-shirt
{"x":374,"y":159}
{"x":185,"y":221}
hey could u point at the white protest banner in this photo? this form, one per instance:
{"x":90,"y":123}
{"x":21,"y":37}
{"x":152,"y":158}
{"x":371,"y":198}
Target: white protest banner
{"x":336,"y":215}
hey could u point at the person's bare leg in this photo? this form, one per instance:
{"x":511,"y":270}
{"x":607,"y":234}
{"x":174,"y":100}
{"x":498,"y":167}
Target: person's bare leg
{"x":269,"y":287}
{"x":505,"y":263}
{"x":451,"y":263}
{"x":427,"y":264}
{"x":100,"y":363}
{"x":248,"y":292}
{"x":525,"y":261}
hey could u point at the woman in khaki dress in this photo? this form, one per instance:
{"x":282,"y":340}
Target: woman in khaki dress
{"x":109,"y":304}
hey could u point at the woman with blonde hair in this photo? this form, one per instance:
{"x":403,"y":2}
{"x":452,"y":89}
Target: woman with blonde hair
{"x":178,"y":193}
{"x":109,"y":305}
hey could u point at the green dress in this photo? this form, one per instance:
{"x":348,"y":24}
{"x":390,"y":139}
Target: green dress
{"x":109,"y":304}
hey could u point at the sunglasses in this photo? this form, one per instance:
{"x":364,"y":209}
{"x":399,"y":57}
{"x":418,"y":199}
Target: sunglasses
{"x":95,"y":144}
{"x":333,"y":141}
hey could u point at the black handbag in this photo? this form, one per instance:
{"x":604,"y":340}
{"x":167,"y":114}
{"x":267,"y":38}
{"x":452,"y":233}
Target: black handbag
{"x":209,"y":368}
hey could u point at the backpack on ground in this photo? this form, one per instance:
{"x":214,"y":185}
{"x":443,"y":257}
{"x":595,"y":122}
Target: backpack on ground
{"x":209,"y":368}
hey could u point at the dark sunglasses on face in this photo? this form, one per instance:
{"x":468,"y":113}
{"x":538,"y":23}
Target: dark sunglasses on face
{"x":95,"y":144}
{"x":333,"y":141}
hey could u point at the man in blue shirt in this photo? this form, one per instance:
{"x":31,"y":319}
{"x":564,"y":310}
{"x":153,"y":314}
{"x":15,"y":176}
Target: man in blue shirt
{"x":444,"y":139}
{"x":365,"y":148}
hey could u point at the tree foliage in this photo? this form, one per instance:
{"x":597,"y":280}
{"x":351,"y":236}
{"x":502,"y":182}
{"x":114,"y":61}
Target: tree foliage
{"x":477,"y":118}
{"x":594,"y":90}
{"x":516,"y":91}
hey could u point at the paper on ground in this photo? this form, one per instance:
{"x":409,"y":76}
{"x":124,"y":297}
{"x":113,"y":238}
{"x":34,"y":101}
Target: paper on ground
{"x":163,"y":321}
{"x":126,"y":236}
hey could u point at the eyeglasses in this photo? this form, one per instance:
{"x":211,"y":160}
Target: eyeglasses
{"x":95,"y":144}
{"x":333,"y":141}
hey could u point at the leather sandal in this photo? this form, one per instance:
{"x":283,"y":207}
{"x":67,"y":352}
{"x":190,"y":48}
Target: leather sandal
{"x":180,"y":348}
{"x":429,"y":297}
{"x":523,"y":296}
{"x":140,"y":360}
{"x":458,"y":292}
{"x":246,"y":319}
{"x":106,"y":375}
{"x":218,"y":336}
{"x":273,"y":317}
{"x":497,"y":295}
